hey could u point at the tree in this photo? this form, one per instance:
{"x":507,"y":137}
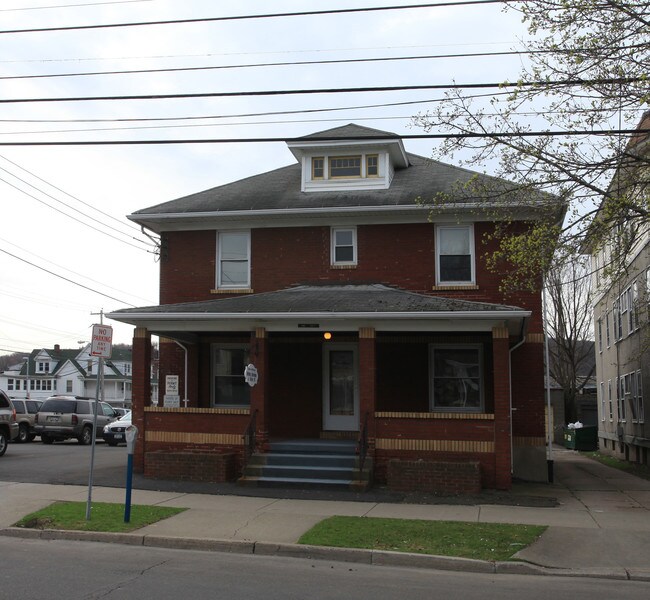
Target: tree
{"x":586,"y":74}
{"x":568,"y":322}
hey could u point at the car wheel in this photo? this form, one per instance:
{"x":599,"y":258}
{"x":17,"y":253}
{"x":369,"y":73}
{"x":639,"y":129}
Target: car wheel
{"x":3,"y":442}
{"x":46,"y":439}
{"x":23,"y":433}
{"x":86,"y":436}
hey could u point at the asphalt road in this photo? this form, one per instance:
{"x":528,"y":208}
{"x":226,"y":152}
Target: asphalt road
{"x":37,"y":569}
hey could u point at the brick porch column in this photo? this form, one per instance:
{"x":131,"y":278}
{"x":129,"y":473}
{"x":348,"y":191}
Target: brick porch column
{"x":502,"y":447}
{"x":367,"y":382}
{"x":260,"y":392}
{"x":141,"y":389}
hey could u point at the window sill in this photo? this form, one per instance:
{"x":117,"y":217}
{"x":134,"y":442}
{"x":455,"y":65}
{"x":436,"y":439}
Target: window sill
{"x":457,"y":286}
{"x":232,"y":291}
{"x":343,"y":267}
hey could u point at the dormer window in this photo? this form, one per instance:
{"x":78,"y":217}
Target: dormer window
{"x":354,"y":166}
{"x":372,"y":165}
{"x":317,"y":167}
{"x":345,"y":166}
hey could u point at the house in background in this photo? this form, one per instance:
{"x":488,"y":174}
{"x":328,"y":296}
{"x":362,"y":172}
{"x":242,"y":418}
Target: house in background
{"x":361,"y":325}
{"x":70,"y":371}
{"x":622,"y":314}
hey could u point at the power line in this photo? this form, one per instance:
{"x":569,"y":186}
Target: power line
{"x":356,"y":90}
{"x":72,"y":5}
{"x":257,"y":16}
{"x":65,"y":278}
{"x":507,"y":134}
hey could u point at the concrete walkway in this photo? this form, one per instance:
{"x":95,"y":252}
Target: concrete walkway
{"x":600,"y":527}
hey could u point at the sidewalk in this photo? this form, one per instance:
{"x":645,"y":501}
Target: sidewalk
{"x":600,"y":525}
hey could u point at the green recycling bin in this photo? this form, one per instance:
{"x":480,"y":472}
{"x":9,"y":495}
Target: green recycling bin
{"x":583,"y":438}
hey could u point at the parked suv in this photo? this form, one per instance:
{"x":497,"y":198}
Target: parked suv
{"x":64,"y":417}
{"x":25,"y":415}
{"x":8,"y":425}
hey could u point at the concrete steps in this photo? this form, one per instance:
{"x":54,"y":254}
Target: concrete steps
{"x":331,"y":464}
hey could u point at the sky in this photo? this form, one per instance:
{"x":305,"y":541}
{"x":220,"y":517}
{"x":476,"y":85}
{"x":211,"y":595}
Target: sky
{"x":67,"y":250}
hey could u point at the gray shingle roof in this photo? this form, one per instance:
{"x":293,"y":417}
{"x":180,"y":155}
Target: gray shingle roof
{"x":351,"y":130}
{"x":371,"y":298}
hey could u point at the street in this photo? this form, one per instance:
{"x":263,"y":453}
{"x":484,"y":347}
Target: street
{"x":35,"y":569}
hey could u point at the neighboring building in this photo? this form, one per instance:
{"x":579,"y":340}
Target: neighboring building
{"x":364,"y":319}
{"x":69,"y":371}
{"x":621,"y":316}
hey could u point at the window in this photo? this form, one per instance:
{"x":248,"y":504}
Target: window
{"x":456,"y":378}
{"x":620,"y":398}
{"x":639,"y":398}
{"x":10,"y":385}
{"x":602,"y":400}
{"x":317,"y":167}
{"x":344,"y":246}
{"x":345,"y":166}
{"x":229,"y":387}
{"x":233,"y":264}
{"x":607,"y":328}
{"x":600,"y":334}
{"x":455,"y":254}
{"x":68,"y":386}
{"x":372,"y":165}
{"x":43,"y":367}
{"x":609,"y":399}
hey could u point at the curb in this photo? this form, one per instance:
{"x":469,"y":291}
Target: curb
{"x":349,"y":555}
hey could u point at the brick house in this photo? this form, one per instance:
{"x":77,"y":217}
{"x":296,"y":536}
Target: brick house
{"x":368,"y":325}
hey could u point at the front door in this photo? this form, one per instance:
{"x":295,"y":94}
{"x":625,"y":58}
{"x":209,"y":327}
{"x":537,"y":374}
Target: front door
{"x":340,"y":388}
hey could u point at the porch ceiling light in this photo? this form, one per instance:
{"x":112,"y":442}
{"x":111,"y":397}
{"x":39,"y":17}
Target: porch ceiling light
{"x":327,"y":335}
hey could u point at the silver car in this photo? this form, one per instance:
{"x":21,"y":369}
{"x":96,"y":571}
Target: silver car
{"x":64,"y":417}
{"x":8,"y":424}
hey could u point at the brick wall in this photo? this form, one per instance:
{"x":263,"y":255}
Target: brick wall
{"x":434,"y":477}
{"x":191,"y":466}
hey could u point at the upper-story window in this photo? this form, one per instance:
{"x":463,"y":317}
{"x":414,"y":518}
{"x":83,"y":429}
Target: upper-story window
{"x":317,"y":167}
{"x":233,"y":259}
{"x":372,"y":165}
{"x":345,"y":166}
{"x":354,"y":166}
{"x":455,"y":254}
{"x":43,"y":367}
{"x":344,"y":246}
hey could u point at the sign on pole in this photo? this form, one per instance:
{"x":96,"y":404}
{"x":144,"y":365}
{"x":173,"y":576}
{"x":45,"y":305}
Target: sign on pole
{"x":102,"y":341}
{"x":250,"y":375}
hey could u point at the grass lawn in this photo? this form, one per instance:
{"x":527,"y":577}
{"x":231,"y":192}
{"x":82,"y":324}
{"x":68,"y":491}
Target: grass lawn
{"x":103,"y":517}
{"x":634,"y":469}
{"x":485,"y":541}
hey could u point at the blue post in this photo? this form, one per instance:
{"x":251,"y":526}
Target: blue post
{"x":129,"y":482}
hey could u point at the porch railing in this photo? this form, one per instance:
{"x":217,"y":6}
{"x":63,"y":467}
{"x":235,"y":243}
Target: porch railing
{"x":250,"y":438}
{"x":362,"y":448}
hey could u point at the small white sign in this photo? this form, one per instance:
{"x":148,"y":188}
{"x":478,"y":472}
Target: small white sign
{"x":250,"y":374}
{"x":102,"y":341}
{"x":171,"y":384}
{"x":172,"y":401}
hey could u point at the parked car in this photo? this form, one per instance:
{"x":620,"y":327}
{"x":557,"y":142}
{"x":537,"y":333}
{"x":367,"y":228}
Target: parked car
{"x":114,"y":432}
{"x":8,"y":424}
{"x":25,"y":415}
{"x":64,"y":417}
{"x":121,"y":411}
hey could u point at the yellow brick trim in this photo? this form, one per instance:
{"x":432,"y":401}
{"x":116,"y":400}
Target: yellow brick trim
{"x":366,"y":333}
{"x":434,"y":415}
{"x":535,"y":338}
{"x":434,"y":445}
{"x":528,"y":442}
{"x":164,"y":340}
{"x":500,"y":333}
{"x":234,"y":291}
{"x":260,"y":333}
{"x":204,"y":411}
{"x":181,"y":437}
{"x":140,"y":332}
{"x":444,"y":288}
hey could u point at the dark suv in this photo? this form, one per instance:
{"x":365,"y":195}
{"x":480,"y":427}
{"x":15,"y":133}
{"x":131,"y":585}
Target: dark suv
{"x":64,"y":417}
{"x":25,"y":415}
{"x":8,"y":425}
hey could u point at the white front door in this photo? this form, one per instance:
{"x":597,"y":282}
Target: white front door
{"x":340,"y":387}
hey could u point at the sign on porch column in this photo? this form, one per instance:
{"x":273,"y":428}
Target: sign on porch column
{"x":250,"y":374}
{"x":172,"y":398}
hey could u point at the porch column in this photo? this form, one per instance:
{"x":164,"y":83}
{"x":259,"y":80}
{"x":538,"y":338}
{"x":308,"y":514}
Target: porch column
{"x":259,"y":392}
{"x":502,"y":448}
{"x":367,"y":382}
{"x":141,"y":389}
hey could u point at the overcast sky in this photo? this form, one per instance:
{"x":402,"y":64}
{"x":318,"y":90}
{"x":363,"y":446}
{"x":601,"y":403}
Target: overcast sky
{"x":41,"y":248}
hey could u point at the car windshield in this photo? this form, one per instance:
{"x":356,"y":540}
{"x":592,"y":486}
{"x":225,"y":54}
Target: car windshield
{"x":126,"y":417}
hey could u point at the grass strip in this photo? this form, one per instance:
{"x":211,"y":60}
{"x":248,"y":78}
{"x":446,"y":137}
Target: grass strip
{"x":642,"y":471}
{"x":104,"y":516}
{"x":482,"y":541}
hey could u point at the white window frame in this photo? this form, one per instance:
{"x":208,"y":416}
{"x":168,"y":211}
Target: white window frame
{"x":639,"y":396}
{"x":602,"y":400}
{"x":213,"y":350}
{"x":609,"y":399}
{"x":221,"y":235}
{"x":600,"y":335}
{"x":432,"y":400}
{"x":333,"y":246}
{"x":470,"y":228}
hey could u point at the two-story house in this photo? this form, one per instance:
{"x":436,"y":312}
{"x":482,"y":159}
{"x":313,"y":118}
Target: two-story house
{"x":621,"y":277}
{"x":355,"y":316}
{"x":49,"y":371}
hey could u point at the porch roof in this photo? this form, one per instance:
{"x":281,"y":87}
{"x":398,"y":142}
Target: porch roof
{"x":321,"y":307}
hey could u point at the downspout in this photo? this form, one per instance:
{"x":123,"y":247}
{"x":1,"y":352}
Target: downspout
{"x":549,"y":418}
{"x":185,"y":399}
{"x":522,"y":339}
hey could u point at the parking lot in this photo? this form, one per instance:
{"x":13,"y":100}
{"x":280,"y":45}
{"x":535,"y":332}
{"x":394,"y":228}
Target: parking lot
{"x":63,"y":463}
